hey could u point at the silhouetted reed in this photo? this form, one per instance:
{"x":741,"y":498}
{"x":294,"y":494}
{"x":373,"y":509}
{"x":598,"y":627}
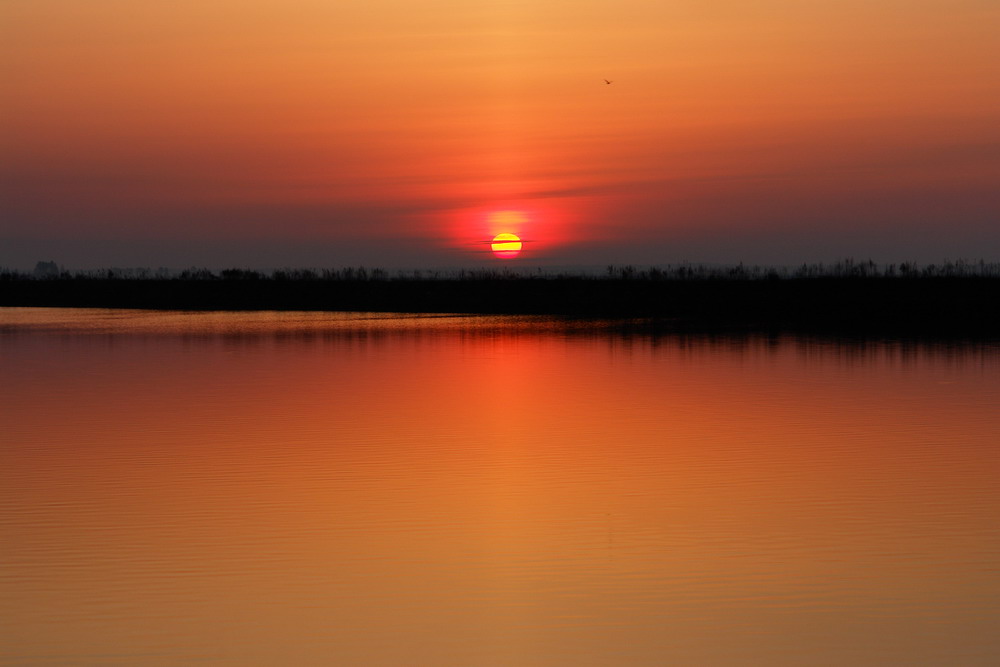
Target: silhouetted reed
{"x":955,"y":298}
{"x":846,"y":268}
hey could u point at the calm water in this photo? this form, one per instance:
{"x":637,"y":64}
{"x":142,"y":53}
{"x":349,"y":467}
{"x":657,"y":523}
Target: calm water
{"x":314,"y":489}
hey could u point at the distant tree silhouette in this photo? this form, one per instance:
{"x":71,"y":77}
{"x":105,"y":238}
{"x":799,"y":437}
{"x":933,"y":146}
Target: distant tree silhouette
{"x":46,"y":270}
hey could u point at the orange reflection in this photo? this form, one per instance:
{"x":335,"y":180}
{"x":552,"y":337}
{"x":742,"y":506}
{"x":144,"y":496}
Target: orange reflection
{"x":321,"y":488}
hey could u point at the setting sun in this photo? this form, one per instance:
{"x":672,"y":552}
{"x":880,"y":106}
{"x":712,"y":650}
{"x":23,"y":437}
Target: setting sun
{"x":506,"y":245}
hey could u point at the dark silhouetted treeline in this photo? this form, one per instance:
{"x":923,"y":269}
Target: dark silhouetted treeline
{"x":952,"y":298}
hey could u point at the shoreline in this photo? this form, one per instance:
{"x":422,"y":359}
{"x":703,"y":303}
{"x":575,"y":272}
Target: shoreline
{"x":967,"y":306}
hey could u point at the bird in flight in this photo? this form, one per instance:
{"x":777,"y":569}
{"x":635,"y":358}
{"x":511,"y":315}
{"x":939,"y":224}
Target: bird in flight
{"x":607,"y":82}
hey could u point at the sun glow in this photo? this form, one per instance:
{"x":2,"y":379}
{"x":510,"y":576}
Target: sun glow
{"x":506,"y":245}
{"x":532,"y":229}
{"x":507,"y":219}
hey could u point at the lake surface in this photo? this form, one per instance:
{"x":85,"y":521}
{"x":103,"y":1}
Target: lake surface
{"x":316,"y":489}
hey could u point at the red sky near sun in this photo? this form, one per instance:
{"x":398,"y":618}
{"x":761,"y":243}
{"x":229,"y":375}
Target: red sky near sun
{"x":384,"y":133}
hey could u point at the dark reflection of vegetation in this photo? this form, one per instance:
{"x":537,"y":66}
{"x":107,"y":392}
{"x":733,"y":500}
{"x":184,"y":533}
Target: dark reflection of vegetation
{"x":950,"y":299}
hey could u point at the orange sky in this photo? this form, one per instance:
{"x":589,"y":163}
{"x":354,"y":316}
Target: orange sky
{"x":386,"y":132}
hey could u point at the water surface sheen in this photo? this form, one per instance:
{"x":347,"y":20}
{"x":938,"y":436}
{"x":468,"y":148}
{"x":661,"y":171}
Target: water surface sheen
{"x":314,"y":489}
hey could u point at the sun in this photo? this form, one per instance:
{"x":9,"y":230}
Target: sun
{"x":506,"y":245}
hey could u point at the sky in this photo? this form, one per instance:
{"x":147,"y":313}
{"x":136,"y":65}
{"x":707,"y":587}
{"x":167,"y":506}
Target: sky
{"x":312,"y":133}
